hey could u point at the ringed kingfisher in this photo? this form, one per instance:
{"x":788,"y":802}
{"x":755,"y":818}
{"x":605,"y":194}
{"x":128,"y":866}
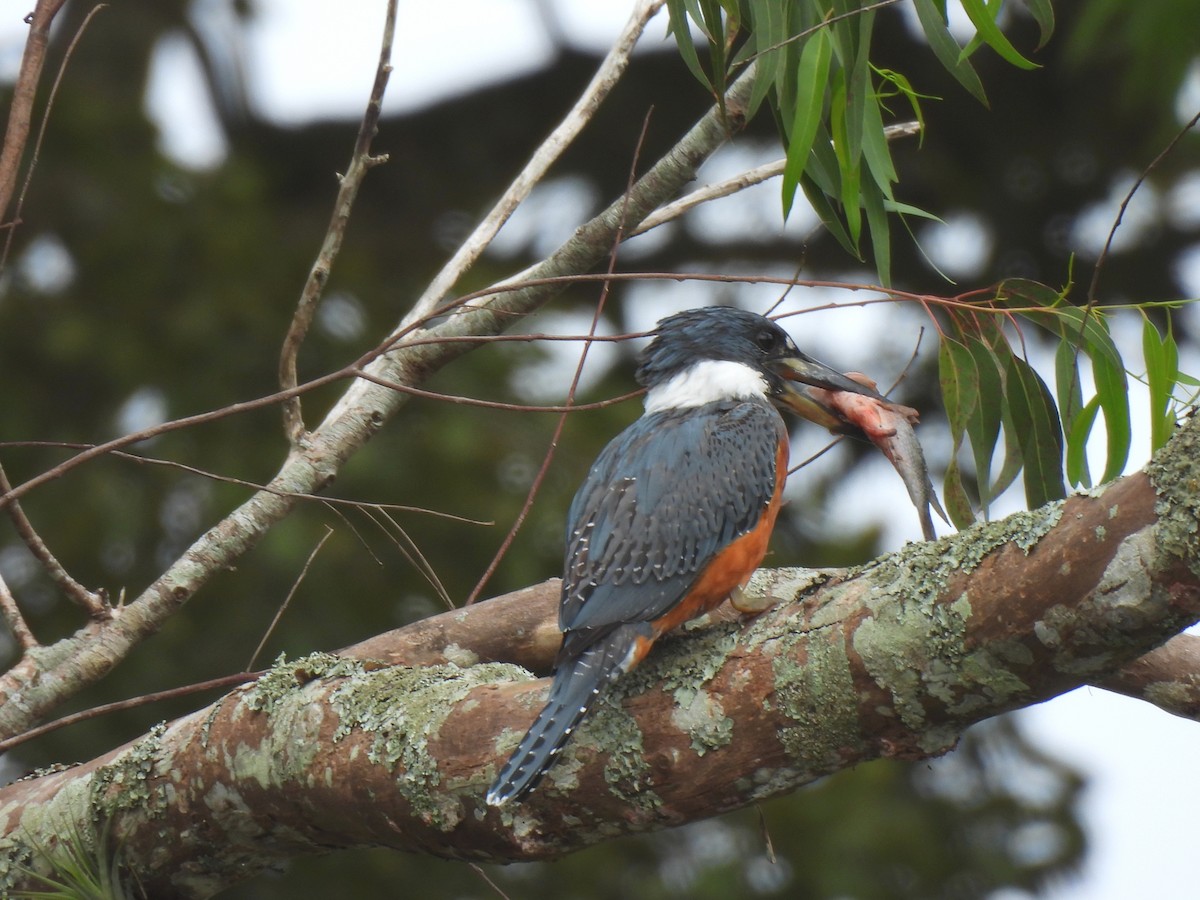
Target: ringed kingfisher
{"x":675,"y":513}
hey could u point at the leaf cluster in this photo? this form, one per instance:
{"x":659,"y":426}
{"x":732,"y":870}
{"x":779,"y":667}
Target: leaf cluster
{"x":811,"y":62}
{"x":990,"y":387}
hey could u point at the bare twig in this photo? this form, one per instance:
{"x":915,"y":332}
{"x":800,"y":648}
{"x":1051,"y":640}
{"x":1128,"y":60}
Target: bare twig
{"x":1128,"y":198}
{"x":288,"y":599}
{"x":824,"y":23}
{"x":331,"y":502}
{"x":97,"y":450}
{"x":12,"y":615}
{"x":225,"y":681}
{"x":478,"y":870}
{"x":5,"y":196}
{"x":361,"y":162}
{"x":538,"y":478}
{"x":494,"y":404}
{"x":560,"y":138}
{"x":403,"y":542}
{"x":743,"y":180}
{"x":20,"y":114}
{"x":95,"y":603}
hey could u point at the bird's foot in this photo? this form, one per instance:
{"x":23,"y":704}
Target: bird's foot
{"x":749,"y":605}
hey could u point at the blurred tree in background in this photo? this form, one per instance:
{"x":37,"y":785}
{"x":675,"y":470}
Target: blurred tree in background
{"x":137,"y":290}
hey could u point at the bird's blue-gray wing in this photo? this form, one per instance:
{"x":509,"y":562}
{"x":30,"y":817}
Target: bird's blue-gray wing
{"x":658,"y":504}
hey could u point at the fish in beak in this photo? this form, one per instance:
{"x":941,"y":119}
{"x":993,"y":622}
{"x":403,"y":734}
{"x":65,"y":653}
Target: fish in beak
{"x":862,"y":412}
{"x":803,"y":368}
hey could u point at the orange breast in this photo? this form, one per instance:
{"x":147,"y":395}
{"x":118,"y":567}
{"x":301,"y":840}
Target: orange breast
{"x":731,"y":567}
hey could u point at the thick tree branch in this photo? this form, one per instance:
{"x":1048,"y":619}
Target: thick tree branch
{"x":1168,"y":677}
{"x":894,"y":659}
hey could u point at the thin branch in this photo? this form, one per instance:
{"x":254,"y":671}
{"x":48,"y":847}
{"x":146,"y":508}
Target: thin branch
{"x":12,"y":615}
{"x":456,"y":333}
{"x":1112,"y":232}
{"x":95,"y":603}
{"x":361,"y":162}
{"x":606,"y":77}
{"x":20,"y":114}
{"x":740,"y":182}
{"x":494,"y":404}
{"x":97,"y":450}
{"x":37,"y":145}
{"x":358,"y":534}
{"x":478,"y":870}
{"x":255,"y":486}
{"x":225,"y":681}
{"x":403,"y":542}
{"x":824,"y":23}
{"x":288,"y":599}
{"x":538,"y":478}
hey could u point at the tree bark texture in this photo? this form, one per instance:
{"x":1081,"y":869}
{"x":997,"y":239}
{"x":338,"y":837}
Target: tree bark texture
{"x":894,"y":659}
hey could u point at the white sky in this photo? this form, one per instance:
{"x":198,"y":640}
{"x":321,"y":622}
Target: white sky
{"x":311,"y":59}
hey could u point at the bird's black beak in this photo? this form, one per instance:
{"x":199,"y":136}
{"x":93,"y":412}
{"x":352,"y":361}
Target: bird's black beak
{"x":806,"y":369}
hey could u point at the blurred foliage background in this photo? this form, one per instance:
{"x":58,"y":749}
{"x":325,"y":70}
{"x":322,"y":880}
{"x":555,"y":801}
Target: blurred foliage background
{"x":138,"y":290}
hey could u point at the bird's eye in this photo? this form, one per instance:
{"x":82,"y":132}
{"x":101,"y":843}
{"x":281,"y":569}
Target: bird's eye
{"x":767,"y":339}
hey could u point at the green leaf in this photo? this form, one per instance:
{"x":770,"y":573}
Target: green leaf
{"x":1162,"y":369}
{"x":1112,"y":390}
{"x":875,"y":149}
{"x":823,"y":165}
{"x":859,"y":90}
{"x":1036,"y":423}
{"x":984,"y":21}
{"x":960,"y":389}
{"x":828,"y":215}
{"x":1043,"y":14}
{"x":905,"y":88}
{"x":1070,"y":405}
{"x":880,"y":228}
{"x":956,"y":374}
{"x":849,"y":173}
{"x":906,"y":209}
{"x":998,"y":354}
{"x":958,"y":504}
{"x":1067,"y":381}
{"x":1087,"y":330}
{"x":768,"y":28}
{"x":946,"y":49}
{"x":1014,"y":458}
{"x":683,"y":39}
{"x":811,"y":79}
{"x":985,"y":421}
{"x":714,"y":26}
{"x":1078,"y":432}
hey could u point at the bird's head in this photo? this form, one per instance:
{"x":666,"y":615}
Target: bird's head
{"x":719,"y":352}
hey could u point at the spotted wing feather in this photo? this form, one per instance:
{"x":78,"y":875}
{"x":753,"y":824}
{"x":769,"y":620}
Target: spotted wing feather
{"x":659,"y":503}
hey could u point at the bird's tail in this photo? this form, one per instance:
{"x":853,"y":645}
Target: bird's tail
{"x":578,"y":682}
